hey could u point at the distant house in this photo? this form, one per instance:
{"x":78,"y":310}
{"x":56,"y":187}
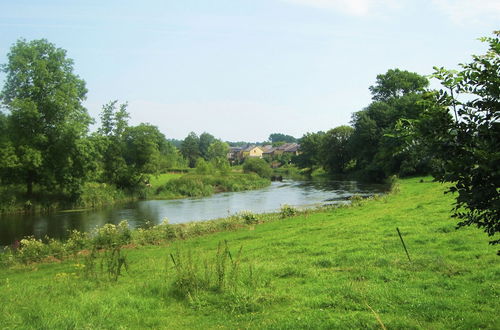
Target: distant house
{"x":237,"y":154}
{"x":287,"y":148}
{"x":234,"y":154}
{"x":252,"y":151}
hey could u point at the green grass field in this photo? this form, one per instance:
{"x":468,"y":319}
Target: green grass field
{"x":341,"y":268}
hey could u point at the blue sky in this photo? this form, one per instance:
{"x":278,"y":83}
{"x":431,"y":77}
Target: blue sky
{"x":242,"y":69}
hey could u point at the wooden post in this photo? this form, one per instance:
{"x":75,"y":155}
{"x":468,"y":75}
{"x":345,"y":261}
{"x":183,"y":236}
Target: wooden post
{"x":404,"y":245}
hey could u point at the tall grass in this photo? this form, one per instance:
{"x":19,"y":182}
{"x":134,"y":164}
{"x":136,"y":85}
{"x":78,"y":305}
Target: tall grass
{"x":220,"y":280}
{"x":195,"y":185}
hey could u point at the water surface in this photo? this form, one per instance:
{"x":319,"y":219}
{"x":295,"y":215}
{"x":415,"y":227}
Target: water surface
{"x":301,"y":194}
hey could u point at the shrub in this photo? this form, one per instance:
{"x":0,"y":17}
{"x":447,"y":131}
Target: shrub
{"x":77,"y":241}
{"x":259,"y":166}
{"x":248,"y":217}
{"x":95,"y":194}
{"x":111,"y":235}
{"x":287,"y":211}
{"x":32,"y":250}
{"x":202,"y":167}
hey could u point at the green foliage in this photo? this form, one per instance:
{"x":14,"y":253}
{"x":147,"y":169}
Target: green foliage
{"x":46,"y":118}
{"x":312,"y":156}
{"x":377,"y":148}
{"x":110,"y":235}
{"x":32,"y":250}
{"x":275,"y":138}
{"x":396,"y":83}
{"x":77,"y":241}
{"x":204,"y":143}
{"x":287,"y":211}
{"x":190,"y":148}
{"x":218,"y":150}
{"x":467,"y":149}
{"x":199,"y":281}
{"x":248,"y":217}
{"x":196,"y":185}
{"x":187,"y":186}
{"x":203,"y":167}
{"x":221,"y":165}
{"x":95,"y":195}
{"x":258,"y":166}
{"x":337,"y":149}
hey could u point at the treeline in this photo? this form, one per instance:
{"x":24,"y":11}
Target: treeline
{"x":452,"y":133}
{"x":372,"y":148}
{"x":48,"y":154}
{"x":46,"y":145}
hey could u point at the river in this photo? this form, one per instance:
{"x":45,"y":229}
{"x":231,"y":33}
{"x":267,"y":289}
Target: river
{"x":301,"y":194}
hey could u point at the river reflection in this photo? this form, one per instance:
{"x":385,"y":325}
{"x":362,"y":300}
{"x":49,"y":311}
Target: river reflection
{"x":300,"y":194}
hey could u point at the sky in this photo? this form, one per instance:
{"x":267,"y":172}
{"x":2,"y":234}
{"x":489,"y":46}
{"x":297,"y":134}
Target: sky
{"x":243,"y":69}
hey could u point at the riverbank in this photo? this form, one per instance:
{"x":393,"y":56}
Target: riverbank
{"x":333,"y":268}
{"x":96,"y":195}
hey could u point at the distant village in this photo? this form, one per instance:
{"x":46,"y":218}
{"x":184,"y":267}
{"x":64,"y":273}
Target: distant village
{"x":238,"y":154}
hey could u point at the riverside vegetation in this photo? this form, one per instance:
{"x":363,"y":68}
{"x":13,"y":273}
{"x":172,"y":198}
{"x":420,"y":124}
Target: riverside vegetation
{"x":341,"y":267}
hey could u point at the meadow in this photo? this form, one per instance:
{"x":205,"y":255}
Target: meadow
{"x":339,"y":267}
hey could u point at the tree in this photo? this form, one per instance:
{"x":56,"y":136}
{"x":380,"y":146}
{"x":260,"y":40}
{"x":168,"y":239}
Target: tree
{"x":144,"y":145}
{"x":218,"y":149}
{"x":468,"y":148}
{"x":311,"y":151}
{"x":205,"y":140}
{"x":396,"y":83}
{"x":114,"y":123}
{"x":47,"y":119}
{"x":336,"y":146}
{"x":190,"y":148}
{"x":377,"y":150}
{"x":279,"y":137}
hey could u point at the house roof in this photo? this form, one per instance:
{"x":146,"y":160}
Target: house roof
{"x":251,"y":147}
{"x":289,"y":147}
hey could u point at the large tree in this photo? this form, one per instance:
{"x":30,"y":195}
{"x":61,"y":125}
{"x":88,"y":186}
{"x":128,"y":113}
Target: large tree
{"x":378,"y":152}
{"x":46,"y":117}
{"x":190,"y":148}
{"x":205,"y":140}
{"x":336,"y":146}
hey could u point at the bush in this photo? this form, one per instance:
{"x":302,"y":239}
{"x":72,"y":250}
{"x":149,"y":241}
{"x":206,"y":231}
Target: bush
{"x":95,"y":194}
{"x":77,"y":241}
{"x":32,"y":250}
{"x":202,"y":167}
{"x":259,"y":166}
{"x":287,"y":211}
{"x":193,"y":185}
{"x":111,"y":235}
{"x":248,"y":217}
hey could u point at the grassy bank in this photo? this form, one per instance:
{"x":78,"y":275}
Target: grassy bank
{"x":95,"y":195}
{"x":336,"y":268}
{"x":196,"y":185}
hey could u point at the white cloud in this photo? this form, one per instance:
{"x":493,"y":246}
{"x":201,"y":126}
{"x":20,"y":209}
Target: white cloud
{"x":351,"y":7}
{"x":464,"y":12}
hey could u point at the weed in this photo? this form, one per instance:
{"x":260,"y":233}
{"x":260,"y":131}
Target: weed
{"x":197,"y":279}
{"x":32,"y":250}
{"x":113,"y":261}
{"x":288,"y":211}
{"x":111,"y":235}
{"x":248,"y":217}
